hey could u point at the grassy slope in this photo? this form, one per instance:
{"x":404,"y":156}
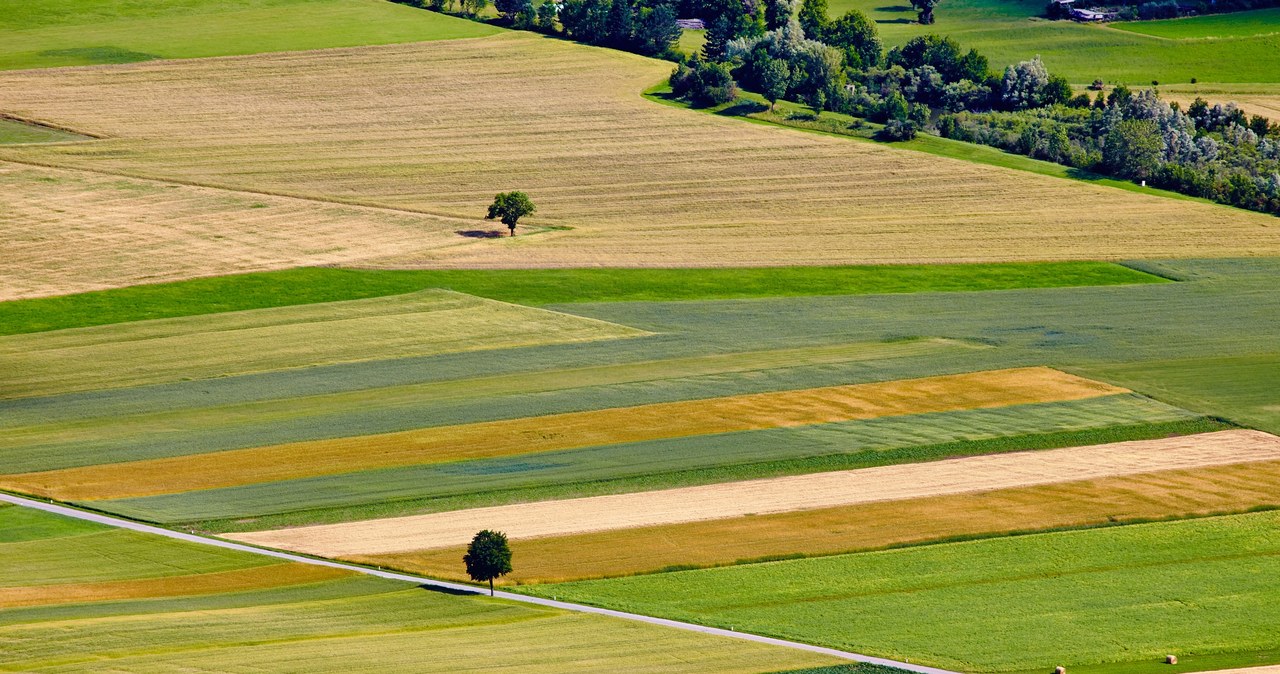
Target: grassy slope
{"x":537,"y":287}
{"x":46,"y":33}
{"x":1236,"y":24}
{"x":1123,"y":594}
{"x":319,"y":627}
{"x":1008,"y":31}
{"x":14,"y":132}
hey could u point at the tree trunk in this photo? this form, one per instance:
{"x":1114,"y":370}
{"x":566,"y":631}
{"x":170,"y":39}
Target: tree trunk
{"x":491,"y":580}
{"x":513,"y":229}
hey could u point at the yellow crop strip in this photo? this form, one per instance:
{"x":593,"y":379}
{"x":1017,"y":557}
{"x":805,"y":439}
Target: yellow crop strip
{"x":997,"y":388}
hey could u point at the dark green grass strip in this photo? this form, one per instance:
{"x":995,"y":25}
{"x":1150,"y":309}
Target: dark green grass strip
{"x":538,"y":287}
{"x":718,"y":474}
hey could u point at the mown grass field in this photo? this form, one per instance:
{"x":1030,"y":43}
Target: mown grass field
{"x":48,"y":33}
{"x":1117,"y":595}
{"x":1235,"y":24}
{"x":214,"y":345}
{"x":538,"y":287}
{"x":1086,"y":503}
{"x":1229,"y":48}
{"x":13,"y":132}
{"x":161,"y":604}
{"x":735,"y":194}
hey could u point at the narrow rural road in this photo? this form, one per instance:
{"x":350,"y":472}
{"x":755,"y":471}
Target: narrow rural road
{"x":458,"y":587}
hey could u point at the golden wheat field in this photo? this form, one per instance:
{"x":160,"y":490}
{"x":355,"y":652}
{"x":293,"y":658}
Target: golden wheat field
{"x":150,"y":477}
{"x":71,"y":231}
{"x":774,"y":495}
{"x":621,"y":552}
{"x":255,"y":578}
{"x":440,"y":127}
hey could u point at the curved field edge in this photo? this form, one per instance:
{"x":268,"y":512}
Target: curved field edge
{"x":540,"y":287}
{"x":1121,"y":597}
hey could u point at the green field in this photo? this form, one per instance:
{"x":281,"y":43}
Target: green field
{"x":1236,"y":24}
{"x":319,"y":626}
{"x":1009,"y":31}
{"x":538,"y":287}
{"x":48,"y":33}
{"x":13,"y":132}
{"x":1122,"y":595}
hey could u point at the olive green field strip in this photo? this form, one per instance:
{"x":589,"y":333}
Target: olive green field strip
{"x":557,"y":432}
{"x":774,"y":495}
{"x":120,"y":601}
{"x":72,"y":231}
{"x":1099,"y":502}
{"x":1114,"y":596}
{"x":659,"y":463}
{"x":171,"y":349}
{"x":397,"y":127}
{"x":102,"y":434}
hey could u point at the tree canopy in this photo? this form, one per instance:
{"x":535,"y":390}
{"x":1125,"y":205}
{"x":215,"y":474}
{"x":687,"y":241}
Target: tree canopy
{"x":509,"y":207}
{"x":488,"y":557}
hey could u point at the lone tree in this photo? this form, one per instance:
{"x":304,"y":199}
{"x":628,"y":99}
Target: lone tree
{"x":509,"y":207}
{"x":925,"y":8}
{"x":488,"y":557}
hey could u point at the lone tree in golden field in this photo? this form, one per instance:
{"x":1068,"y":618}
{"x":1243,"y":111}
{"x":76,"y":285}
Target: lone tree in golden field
{"x":509,"y":207}
{"x":488,"y":557}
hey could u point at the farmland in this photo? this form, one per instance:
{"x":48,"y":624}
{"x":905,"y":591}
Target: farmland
{"x":1240,"y":47}
{"x":736,"y":191}
{"x":70,"y":33}
{"x":1008,"y":604}
{"x":163,"y":604}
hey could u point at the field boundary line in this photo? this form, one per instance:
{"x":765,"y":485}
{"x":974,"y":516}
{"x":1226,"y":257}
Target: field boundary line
{"x":457,"y":587}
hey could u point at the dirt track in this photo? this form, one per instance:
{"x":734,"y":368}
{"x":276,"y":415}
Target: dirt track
{"x":801,"y":492}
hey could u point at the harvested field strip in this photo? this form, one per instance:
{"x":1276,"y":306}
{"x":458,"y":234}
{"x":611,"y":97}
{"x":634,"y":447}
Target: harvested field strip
{"x":399,"y":128}
{"x":674,"y":462}
{"x":114,"y":438}
{"x":165,"y":350}
{"x":1170,"y":493}
{"x":172,"y":586}
{"x":1115,"y":595}
{"x":539,"y":287}
{"x":804,"y":492}
{"x":74,"y":231}
{"x":541,"y":434}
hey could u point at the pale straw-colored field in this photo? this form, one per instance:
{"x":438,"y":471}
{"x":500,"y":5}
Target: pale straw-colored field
{"x":440,"y":127}
{"x":67,"y":231}
{"x":774,"y":495}
{"x":727,"y":414}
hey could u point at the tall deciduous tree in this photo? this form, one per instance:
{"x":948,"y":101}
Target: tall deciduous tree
{"x":509,"y":207}
{"x":925,"y":10}
{"x":813,"y":19}
{"x":775,"y":77}
{"x":488,"y":557}
{"x":856,"y":35}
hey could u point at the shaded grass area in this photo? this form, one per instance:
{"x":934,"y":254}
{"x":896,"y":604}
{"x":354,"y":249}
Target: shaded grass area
{"x":318,"y":626}
{"x":14,"y":132}
{"x":672,"y":479}
{"x":48,"y":33}
{"x":539,"y":287}
{"x":1109,"y":501}
{"x":1125,"y":594}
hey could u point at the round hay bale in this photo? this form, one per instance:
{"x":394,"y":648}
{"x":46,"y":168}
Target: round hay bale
{"x":1170,"y":659}
{"x":1059,"y":670}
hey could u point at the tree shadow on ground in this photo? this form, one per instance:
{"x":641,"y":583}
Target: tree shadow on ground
{"x":480,"y":233}
{"x":742,"y":109}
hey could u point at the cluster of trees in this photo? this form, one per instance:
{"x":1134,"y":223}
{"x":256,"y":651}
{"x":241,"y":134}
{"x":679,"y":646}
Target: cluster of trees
{"x":1131,"y":10}
{"x":1216,"y":152}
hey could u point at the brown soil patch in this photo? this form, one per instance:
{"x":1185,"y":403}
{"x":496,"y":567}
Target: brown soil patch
{"x":255,"y":578}
{"x":776,"y":495}
{"x":976,"y":390}
{"x":869,"y":526}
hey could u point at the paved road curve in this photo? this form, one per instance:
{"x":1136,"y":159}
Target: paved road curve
{"x":580,"y":608}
